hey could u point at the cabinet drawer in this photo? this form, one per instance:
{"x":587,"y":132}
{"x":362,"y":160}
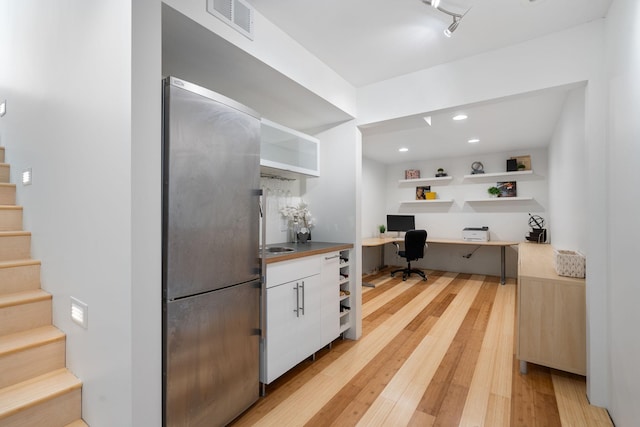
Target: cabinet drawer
{"x":287,"y":271}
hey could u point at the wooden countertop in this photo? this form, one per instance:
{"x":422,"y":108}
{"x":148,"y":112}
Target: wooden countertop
{"x":377,"y":241}
{"x":305,"y":249}
{"x":536,"y":261}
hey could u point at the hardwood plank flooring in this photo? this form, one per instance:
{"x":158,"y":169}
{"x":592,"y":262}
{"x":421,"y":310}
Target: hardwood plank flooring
{"x":435,"y":353}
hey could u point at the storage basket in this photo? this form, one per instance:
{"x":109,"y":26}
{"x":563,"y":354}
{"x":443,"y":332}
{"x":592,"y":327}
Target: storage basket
{"x":569,"y":263}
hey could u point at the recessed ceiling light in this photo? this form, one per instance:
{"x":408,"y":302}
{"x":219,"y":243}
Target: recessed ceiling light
{"x":460,"y":117}
{"x":403,"y":149}
{"x":473,"y":141}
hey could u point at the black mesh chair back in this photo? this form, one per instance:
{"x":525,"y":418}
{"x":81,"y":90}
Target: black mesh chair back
{"x":414,"y":244}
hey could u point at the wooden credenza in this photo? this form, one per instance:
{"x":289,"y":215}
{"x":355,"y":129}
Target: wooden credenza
{"x":551,"y":313}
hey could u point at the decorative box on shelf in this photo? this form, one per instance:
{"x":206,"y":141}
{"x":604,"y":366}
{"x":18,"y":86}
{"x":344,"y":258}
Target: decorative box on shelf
{"x":411,"y":174}
{"x":569,"y":263}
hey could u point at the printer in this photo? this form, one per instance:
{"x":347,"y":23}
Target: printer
{"x":475,"y":234}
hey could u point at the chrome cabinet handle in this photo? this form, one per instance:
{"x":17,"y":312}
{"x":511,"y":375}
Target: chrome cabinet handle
{"x":302,"y":308}
{"x":297,"y":310}
{"x":331,"y":257}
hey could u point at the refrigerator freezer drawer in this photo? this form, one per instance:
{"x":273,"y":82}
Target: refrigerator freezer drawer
{"x":212,"y":356}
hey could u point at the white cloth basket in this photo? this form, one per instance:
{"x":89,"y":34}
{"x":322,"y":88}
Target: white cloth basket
{"x":569,"y":263}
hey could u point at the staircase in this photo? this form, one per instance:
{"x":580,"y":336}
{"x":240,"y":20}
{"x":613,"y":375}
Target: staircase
{"x":35,"y":387}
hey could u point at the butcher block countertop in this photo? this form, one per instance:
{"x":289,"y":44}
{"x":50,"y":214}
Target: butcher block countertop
{"x":305,"y":249}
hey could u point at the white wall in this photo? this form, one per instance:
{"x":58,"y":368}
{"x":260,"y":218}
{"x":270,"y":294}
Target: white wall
{"x":336,"y":199}
{"x":623,"y":60}
{"x":66,"y":76}
{"x":374,"y":193}
{"x":568,"y":192}
{"x":536,"y":64}
{"x":146,"y":333}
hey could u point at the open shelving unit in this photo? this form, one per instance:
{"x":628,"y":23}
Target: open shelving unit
{"x":345,"y":300}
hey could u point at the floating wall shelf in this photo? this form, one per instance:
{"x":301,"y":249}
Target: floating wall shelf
{"x":498,"y":175}
{"x":426,"y":180}
{"x":422,"y":202}
{"x":499,"y":199}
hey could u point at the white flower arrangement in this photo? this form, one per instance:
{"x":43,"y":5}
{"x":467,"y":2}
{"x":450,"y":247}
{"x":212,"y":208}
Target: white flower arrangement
{"x":299,"y":214}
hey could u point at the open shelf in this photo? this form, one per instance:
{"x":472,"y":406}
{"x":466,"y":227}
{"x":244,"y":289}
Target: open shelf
{"x":498,"y":174}
{"x":421,"y":202}
{"x":499,"y":199}
{"x":425,"y":180}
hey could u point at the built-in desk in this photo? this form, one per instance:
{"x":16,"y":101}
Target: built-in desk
{"x":378,"y":241}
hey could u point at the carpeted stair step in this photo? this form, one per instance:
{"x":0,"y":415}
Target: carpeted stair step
{"x":31,"y":353}
{"x":21,"y":311}
{"x":51,"y":400}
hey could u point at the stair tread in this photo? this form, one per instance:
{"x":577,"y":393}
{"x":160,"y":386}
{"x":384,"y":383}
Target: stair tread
{"x":23,"y":297}
{"x":19,"y":263}
{"x":14,"y":233}
{"x":30,"y":338}
{"x":18,"y":397}
{"x":8,"y":207}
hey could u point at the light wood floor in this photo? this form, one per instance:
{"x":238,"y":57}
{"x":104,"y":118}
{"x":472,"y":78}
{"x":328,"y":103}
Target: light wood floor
{"x":435,"y":353}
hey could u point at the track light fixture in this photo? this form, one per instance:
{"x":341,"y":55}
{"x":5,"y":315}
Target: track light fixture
{"x":456,"y":16}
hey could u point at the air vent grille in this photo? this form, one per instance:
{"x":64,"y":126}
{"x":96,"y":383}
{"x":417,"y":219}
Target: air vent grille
{"x":235,"y":13}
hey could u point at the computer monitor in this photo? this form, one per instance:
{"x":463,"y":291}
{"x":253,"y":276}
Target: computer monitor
{"x":401,"y":222}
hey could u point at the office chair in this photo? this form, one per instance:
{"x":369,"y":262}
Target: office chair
{"x":414,"y":244}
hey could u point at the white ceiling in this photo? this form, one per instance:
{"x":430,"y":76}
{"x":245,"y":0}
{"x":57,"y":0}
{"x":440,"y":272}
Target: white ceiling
{"x":366,"y":41}
{"x":510,"y":124}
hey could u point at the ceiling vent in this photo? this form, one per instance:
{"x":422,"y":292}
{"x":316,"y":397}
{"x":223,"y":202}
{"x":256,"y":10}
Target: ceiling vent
{"x":236,"y":13}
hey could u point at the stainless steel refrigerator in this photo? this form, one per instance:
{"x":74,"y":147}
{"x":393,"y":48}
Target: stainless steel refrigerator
{"x":211,"y":267}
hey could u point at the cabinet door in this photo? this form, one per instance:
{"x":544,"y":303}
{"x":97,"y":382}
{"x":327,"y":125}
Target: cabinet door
{"x":330,"y":283}
{"x":552,"y":325}
{"x":281,"y":352}
{"x":286,"y":149}
{"x":570,"y":352}
{"x":537,"y":310}
{"x":309,"y":332}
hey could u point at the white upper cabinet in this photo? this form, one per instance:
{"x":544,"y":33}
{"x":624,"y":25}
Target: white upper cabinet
{"x":287,"y":150}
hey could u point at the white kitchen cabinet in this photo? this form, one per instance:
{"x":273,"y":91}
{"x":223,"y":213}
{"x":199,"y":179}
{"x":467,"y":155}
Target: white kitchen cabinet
{"x":293,"y":315}
{"x":287,"y":150}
